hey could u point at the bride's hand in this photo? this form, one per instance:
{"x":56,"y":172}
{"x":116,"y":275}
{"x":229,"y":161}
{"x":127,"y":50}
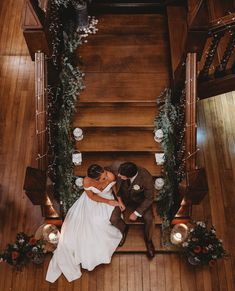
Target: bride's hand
{"x":122,"y":206}
{"x":113,"y":203}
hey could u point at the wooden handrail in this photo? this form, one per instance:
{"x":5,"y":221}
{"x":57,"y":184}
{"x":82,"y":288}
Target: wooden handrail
{"x":221,"y":24}
{"x":190,"y":107}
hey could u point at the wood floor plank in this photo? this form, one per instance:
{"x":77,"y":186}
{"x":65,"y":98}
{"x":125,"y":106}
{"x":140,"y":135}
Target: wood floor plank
{"x":161,"y":271}
{"x":130,"y":273}
{"x":145,"y":273}
{"x":123,"y":272}
{"x":152,"y":272}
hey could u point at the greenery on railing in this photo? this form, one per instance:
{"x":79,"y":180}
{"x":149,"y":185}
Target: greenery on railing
{"x":167,"y":199}
{"x":62,"y":102}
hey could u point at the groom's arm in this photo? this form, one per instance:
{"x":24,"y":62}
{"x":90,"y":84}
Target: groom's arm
{"x":149,"y":196}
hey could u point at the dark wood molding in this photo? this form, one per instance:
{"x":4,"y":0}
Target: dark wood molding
{"x":30,"y":19}
{"x":216,"y":86}
{"x":35,"y":185}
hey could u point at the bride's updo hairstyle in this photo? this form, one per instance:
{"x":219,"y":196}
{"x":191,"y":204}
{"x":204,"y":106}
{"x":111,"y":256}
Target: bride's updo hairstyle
{"x":95,"y":171}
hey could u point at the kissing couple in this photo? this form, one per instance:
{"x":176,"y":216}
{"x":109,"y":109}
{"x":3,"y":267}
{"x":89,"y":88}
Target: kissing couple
{"x":93,"y":227}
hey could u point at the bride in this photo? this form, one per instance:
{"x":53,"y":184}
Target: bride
{"x":87,"y":236}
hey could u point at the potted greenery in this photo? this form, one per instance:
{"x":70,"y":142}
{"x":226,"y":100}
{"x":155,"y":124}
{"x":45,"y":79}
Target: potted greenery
{"x":202,"y":245}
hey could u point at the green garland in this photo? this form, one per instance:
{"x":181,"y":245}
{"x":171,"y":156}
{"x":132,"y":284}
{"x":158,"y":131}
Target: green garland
{"x":62,"y":107}
{"x":72,"y":84}
{"x":167,"y":197}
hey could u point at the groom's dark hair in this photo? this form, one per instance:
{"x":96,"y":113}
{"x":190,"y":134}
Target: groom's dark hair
{"x":94,"y":171}
{"x":128,"y":169}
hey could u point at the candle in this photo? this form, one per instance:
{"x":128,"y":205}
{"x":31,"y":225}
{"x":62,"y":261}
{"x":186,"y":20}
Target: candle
{"x":78,"y":133}
{"x":52,"y":236}
{"x":77,"y":158}
{"x":178,"y":236}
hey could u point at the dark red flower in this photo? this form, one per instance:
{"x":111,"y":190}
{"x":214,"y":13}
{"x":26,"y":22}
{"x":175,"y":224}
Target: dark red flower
{"x":212,"y":263}
{"x":14,"y":255}
{"x":197,"y":249}
{"x":32,"y":241}
{"x":204,"y":250}
{"x":29,"y":255}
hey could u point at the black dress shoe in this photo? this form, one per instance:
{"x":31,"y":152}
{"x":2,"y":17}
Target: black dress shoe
{"x":150,"y":249}
{"x":124,"y":235}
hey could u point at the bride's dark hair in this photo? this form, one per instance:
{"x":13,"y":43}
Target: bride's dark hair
{"x":95,"y":171}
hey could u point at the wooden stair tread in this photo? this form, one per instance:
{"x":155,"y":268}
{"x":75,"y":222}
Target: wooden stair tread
{"x":123,"y":87}
{"x":135,"y":24}
{"x":116,"y":139}
{"x":115,"y":116}
{"x":106,"y":159}
{"x":135,"y":241}
{"x":125,"y":59}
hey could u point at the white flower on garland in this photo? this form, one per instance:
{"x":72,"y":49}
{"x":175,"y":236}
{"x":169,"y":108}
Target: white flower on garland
{"x":136,"y":187}
{"x":158,"y":135}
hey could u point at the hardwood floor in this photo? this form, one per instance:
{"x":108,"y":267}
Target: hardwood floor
{"x":127,"y":272}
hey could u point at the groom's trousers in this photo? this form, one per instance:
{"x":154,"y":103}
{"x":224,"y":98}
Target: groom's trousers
{"x":117,"y":221}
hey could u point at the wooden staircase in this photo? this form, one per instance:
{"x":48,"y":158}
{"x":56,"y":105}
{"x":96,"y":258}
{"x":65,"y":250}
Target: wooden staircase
{"x":126,"y":67}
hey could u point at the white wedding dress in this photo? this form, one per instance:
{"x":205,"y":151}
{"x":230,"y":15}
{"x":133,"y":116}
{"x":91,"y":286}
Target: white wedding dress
{"x":87,"y":237}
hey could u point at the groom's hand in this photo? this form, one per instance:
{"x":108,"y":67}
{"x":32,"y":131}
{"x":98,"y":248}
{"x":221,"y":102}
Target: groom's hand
{"x":133,"y":217}
{"x":113,"y":203}
{"x":122,"y":206}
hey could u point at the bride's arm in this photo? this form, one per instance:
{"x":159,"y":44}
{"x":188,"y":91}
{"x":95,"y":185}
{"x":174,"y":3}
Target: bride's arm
{"x":114,"y":188}
{"x":97,"y":198}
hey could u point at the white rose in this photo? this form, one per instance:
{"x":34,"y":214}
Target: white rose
{"x":136,"y":187}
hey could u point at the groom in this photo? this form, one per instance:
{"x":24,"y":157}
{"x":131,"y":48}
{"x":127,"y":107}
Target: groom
{"x":136,"y":189}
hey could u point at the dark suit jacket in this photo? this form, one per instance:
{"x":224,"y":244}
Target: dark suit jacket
{"x":140,"y":194}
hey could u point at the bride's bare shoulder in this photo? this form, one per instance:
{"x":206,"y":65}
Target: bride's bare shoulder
{"x":87,"y":182}
{"x":111,"y":176}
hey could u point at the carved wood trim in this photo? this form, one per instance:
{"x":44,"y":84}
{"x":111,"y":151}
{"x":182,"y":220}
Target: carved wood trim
{"x":30,"y":19}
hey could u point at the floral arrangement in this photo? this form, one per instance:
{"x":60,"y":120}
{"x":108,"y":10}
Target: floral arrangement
{"x":202,"y":246}
{"x":26,"y":248}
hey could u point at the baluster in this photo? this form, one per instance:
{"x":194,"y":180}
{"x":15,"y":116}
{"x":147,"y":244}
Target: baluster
{"x":220,"y":69}
{"x":204,"y":74}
